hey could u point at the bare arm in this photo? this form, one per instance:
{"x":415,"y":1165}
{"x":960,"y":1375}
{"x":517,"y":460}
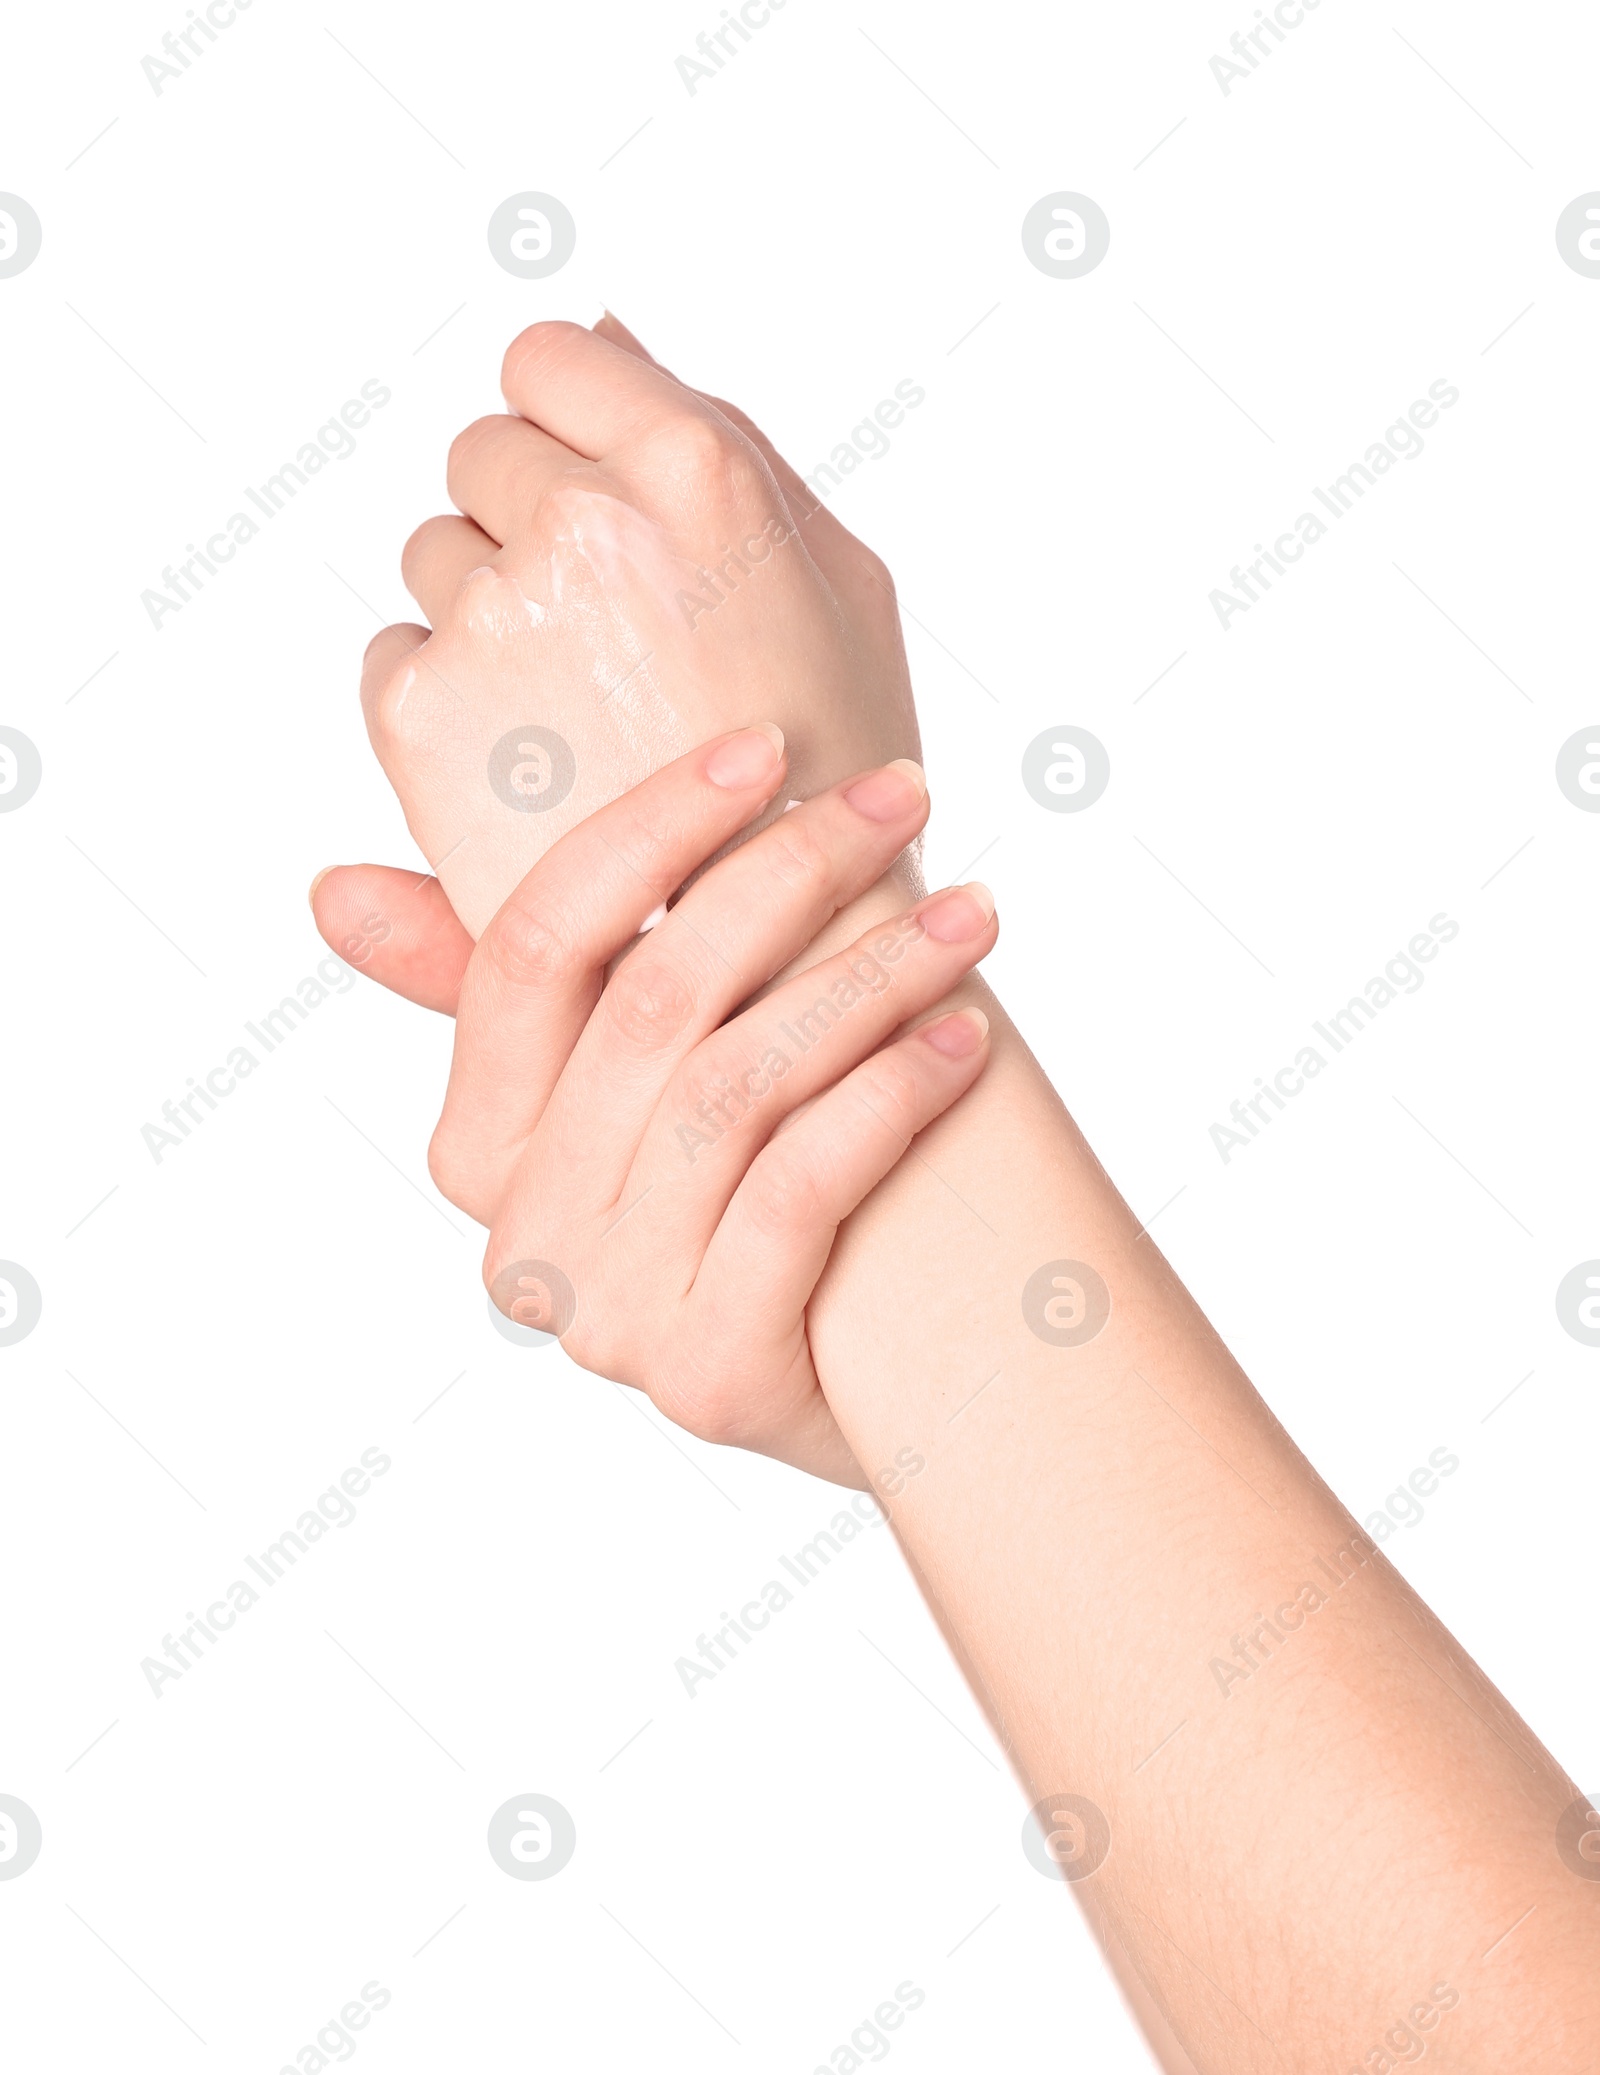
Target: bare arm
{"x":1321,"y":1836}
{"x":1305,"y":1819}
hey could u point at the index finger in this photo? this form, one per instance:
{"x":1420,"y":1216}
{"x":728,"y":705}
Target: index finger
{"x":540,"y":965}
{"x":593,"y":396}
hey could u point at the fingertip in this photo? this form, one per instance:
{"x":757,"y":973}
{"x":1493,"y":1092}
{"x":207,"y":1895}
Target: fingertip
{"x":889,"y":794}
{"x":754,"y":756}
{"x":958,"y":915}
{"x":311,"y":890}
{"x":959,"y":1035}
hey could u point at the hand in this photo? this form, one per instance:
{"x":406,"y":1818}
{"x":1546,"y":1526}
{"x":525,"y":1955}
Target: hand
{"x":635,"y":571}
{"x":662,"y":1170}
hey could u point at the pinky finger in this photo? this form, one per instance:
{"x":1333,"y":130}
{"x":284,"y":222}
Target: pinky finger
{"x":773,"y":1242}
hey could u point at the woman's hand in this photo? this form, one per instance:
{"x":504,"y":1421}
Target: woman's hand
{"x":634,"y":570}
{"x":663,"y":1157}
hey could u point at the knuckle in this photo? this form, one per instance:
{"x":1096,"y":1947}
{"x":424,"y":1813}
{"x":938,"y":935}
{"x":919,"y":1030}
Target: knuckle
{"x":877,"y":579}
{"x":783,"y":1194}
{"x":796,"y":854}
{"x":720,"y":1085}
{"x":650,"y":1003}
{"x":416,"y":541}
{"x":694,"y":441}
{"x":653,"y":851}
{"x":536,"y":346}
{"x":701,"y":1399}
{"x":531,"y":1290}
{"x":469,"y":443}
{"x":740,"y":420}
{"x":891,"y":1090}
{"x":458,"y":1176}
{"x":386,"y":653}
{"x":396,"y":709}
{"x":565,"y":505}
{"x":528,"y":946}
{"x":717,"y":1416}
{"x":606,"y":1347}
{"x":446,"y":1166}
{"x":704,"y":454}
{"x":415,"y":553}
{"x":586,"y":1343}
{"x":698,"y":1092}
{"x":379,"y":647}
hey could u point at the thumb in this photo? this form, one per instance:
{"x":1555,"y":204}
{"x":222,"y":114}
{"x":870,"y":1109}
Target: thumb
{"x":397,"y":928}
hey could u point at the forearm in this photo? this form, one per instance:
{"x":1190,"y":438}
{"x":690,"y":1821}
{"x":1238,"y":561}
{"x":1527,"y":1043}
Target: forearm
{"x":1319,"y":1809}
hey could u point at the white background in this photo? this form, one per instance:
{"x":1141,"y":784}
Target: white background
{"x":1292,"y":801}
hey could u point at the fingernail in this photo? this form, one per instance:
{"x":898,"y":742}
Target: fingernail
{"x":311,"y":890}
{"x":748,"y":758}
{"x":961,"y":913}
{"x":888,"y":794}
{"x":957,"y":1036}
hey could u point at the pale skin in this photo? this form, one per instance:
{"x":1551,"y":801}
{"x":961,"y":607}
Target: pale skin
{"x":639,"y":1134}
{"x":1331,"y":1842}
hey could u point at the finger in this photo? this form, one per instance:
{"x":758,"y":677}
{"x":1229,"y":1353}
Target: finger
{"x":735,"y":1090}
{"x":592,"y":395}
{"x":725,"y":939}
{"x":500,"y":468}
{"x":395,"y":927}
{"x":438,"y":558}
{"x":388,"y":656}
{"x":802,"y":501}
{"x":774,"y":1238}
{"x":415,"y":716}
{"x":540,"y":965}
